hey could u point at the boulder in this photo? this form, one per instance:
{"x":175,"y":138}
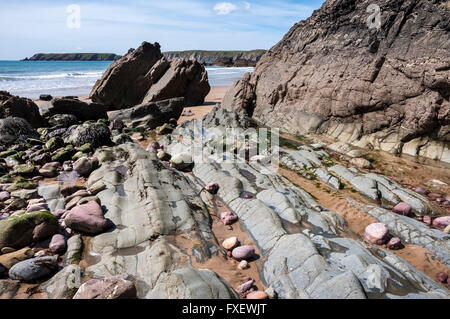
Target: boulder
{"x":230,"y":243}
{"x":377,"y":233}
{"x":402,"y":209}
{"x":97,"y":134}
{"x":15,"y":130}
{"x":127,"y":80}
{"x":34,"y":269}
{"x":84,"y":166}
{"x":109,"y":288}
{"x":181,"y":161}
{"x":84,"y":111}
{"x":257,"y":295}
{"x":361,"y":163}
{"x":58,"y":244}
{"x":212,"y":188}
{"x":87,"y":218}
{"x":441,"y":222}
{"x":228,"y":218}
{"x":15,"y":106}
{"x":10,"y":259}
{"x":32,"y":227}
{"x":243,"y":253}
{"x":385,"y":88}
{"x":45,"y":97}
{"x":185,"y":78}
{"x":150,"y":115}
{"x":63,"y":120}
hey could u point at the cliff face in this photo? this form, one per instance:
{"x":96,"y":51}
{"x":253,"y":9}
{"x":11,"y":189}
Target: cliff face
{"x":219,"y":58}
{"x":73,"y":57}
{"x":386,"y":88}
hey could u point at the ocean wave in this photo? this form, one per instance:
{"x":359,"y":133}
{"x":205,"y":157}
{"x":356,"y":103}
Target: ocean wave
{"x":50,"y":76}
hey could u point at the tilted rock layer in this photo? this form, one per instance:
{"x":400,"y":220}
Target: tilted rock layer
{"x":386,"y":88}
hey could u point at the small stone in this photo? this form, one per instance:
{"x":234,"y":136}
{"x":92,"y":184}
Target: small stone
{"x":271,"y":293}
{"x":4,"y":196}
{"x":395,"y":244}
{"x":377,"y":233}
{"x":7,"y":250}
{"x":257,"y":295}
{"x":427,"y":220}
{"x":441,"y":222}
{"x":230,"y":243}
{"x":84,"y":166}
{"x":163,"y":156}
{"x":228,"y":218}
{"x":361,"y":163}
{"x":52,"y":164}
{"x":49,"y":172}
{"x":442,"y":277}
{"x":181,"y":161}
{"x":97,"y":188}
{"x":243,"y":253}
{"x":58,"y":244}
{"x":8,"y":260}
{"x":447,"y":229}
{"x":243,"y":265}
{"x":402,"y":209}
{"x":245,"y":286}
{"x":212,"y":188}
{"x":37,"y":208}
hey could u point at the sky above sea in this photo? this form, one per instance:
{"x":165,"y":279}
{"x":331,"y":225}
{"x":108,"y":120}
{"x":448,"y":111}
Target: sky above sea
{"x":113,"y":26}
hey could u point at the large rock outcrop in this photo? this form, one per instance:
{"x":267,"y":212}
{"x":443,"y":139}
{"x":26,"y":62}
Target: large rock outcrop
{"x":386,"y":88}
{"x":144,"y":76}
{"x":125,"y":82}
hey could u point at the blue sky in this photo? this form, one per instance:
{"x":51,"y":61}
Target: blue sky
{"x":32,"y":26}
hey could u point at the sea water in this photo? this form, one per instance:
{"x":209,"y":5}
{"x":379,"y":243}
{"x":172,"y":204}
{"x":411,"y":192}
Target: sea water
{"x":61,"y":78}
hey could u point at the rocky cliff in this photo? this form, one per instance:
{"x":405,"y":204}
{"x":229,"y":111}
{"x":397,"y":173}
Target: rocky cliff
{"x":337,"y":74}
{"x":219,"y":58}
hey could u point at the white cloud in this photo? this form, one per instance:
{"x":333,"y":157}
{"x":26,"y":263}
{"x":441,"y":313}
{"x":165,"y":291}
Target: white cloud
{"x":247,"y":5}
{"x":224,"y":8}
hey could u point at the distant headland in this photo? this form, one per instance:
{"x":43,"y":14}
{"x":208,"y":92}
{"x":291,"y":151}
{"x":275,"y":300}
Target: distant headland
{"x":73,"y":57}
{"x":217,"y":58}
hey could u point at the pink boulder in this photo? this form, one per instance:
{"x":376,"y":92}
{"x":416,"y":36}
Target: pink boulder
{"x":441,"y":222}
{"x":395,"y":244}
{"x":228,"y":218}
{"x":442,"y":277}
{"x":434,"y":196}
{"x":212,"y":188}
{"x":427,"y":220}
{"x":421,"y":191}
{"x":402,"y":209}
{"x":243,"y":253}
{"x":377,"y":233}
{"x":109,"y":288}
{"x":87,"y":218}
{"x":58,"y":244}
{"x":261,"y":295}
{"x":242,"y":289}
